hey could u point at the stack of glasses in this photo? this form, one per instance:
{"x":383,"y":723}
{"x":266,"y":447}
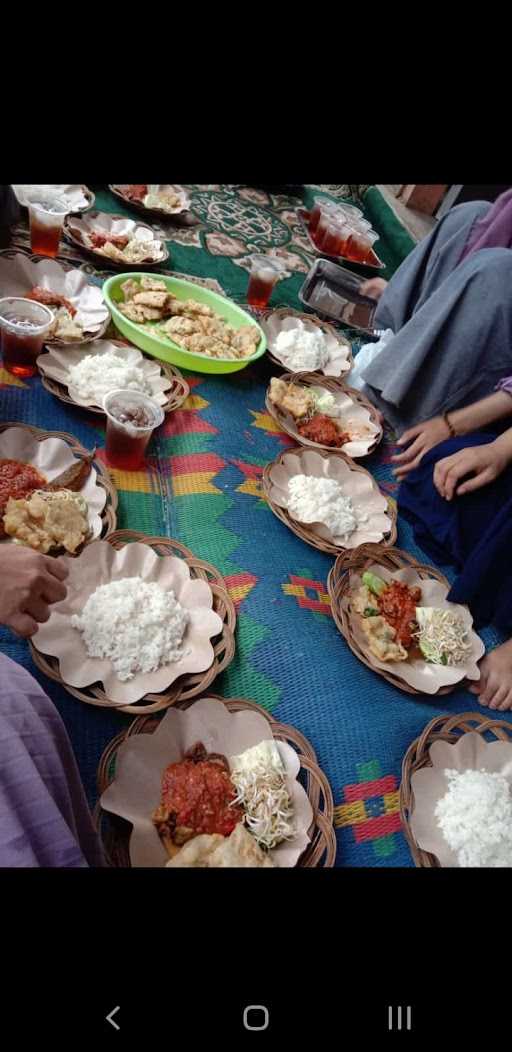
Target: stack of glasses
{"x":340,"y":230}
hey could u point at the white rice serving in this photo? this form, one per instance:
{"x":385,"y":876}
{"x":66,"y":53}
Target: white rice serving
{"x":475,"y":817}
{"x":322,"y":500}
{"x":98,"y":374}
{"x":136,"y":625}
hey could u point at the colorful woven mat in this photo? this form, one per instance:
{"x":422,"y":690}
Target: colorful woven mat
{"x":206,"y":493}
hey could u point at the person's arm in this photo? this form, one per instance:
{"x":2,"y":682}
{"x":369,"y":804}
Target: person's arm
{"x":430,"y":433}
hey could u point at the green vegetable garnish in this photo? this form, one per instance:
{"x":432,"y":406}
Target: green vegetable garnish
{"x":371,"y":612}
{"x":374,"y":584}
{"x":444,"y":659}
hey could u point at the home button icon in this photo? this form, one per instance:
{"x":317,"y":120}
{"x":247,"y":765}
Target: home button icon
{"x":256,"y":1017}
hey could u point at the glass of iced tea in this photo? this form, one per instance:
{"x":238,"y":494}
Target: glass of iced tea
{"x":131,"y":419}
{"x":23,"y":327}
{"x":47,"y":212}
{"x":266,"y":271}
{"x":351,"y":211}
{"x":319,"y":203}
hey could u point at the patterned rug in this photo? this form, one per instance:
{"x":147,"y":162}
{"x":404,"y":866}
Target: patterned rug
{"x":209,"y":458}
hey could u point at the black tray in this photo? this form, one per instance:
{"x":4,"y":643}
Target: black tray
{"x":351,"y":309}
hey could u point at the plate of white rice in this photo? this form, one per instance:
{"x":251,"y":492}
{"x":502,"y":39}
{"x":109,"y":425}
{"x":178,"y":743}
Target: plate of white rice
{"x":462,"y":811}
{"x":92,"y":370}
{"x":132,"y":620}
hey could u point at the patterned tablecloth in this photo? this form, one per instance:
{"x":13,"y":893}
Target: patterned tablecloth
{"x":202,"y":486}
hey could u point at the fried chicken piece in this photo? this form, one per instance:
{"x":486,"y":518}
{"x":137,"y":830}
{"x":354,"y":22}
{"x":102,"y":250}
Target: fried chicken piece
{"x":200,"y":344}
{"x":153,"y":285}
{"x":130,"y":288}
{"x":382,"y":639}
{"x":180,"y":325}
{"x":111,"y":252}
{"x":191,"y":308}
{"x":246,"y":341}
{"x":138,"y":313}
{"x":151,"y":299}
{"x":50,"y":299}
{"x":291,"y":398}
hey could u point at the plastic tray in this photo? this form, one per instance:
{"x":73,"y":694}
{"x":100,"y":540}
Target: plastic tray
{"x":350,"y":307}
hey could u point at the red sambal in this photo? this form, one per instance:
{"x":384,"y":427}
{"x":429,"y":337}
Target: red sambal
{"x":322,"y":429}
{"x":198,"y":795}
{"x":136,"y":191}
{"x":17,"y":480}
{"x":397,"y":604}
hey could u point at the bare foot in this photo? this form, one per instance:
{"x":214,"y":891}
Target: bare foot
{"x":494,"y":688}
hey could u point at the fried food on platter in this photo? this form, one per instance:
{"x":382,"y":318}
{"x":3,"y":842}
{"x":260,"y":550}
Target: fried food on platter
{"x":46,"y":521}
{"x":151,"y":298}
{"x":291,"y":398}
{"x":239,"y":850}
{"x":192,"y":325}
{"x":382,"y":640}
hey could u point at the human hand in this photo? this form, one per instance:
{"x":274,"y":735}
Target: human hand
{"x":485,"y":463}
{"x":421,"y":438}
{"x":373,"y":288}
{"x":494,"y":687}
{"x":30,"y":583}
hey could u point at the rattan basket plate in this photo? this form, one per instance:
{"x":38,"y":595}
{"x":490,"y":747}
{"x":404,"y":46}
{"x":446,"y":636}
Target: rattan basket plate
{"x":72,"y":233}
{"x":187,"y":686}
{"x":338,"y":587}
{"x":447,"y":729}
{"x":303,"y":530}
{"x":109,"y":514}
{"x":115,"y":832}
{"x":176,"y":394}
{"x":335,"y":387}
{"x":287,"y":312}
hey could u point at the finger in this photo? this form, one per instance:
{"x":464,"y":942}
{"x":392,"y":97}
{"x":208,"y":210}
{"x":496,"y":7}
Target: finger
{"x":507,"y":702}
{"x":57,"y":567}
{"x":52,"y":590}
{"x":37,"y":609}
{"x":475,"y":688}
{"x":23,"y":625}
{"x":408,"y":435}
{"x":440,"y":472}
{"x":482,"y":479}
{"x":406,"y":468}
{"x":490,"y":689}
{"x":499,"y":696}
{"x":410,"y":452}
{"x":456,"y":472}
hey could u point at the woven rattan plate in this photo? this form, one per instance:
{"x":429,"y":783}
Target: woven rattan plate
{"x":176,"y":395}
{"x":338,"y":586}
{"x":287,"y":312}
{"x":109,"y":514}
{"x":304,"y":531}
{"x":115,"y":832}
{"x":76,"y":239}
{"x":188,"y":686}
{"x":331,"y":384}
{"x":447,"y":729}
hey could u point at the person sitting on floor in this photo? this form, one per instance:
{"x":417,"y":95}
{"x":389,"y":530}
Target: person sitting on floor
{"x":44,"y":816}
{"x":442,"y":381}
{"x":450,"y":310}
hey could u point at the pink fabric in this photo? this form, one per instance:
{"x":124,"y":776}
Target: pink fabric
{"x":494,"y":230}
{"x":505,"y":385}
